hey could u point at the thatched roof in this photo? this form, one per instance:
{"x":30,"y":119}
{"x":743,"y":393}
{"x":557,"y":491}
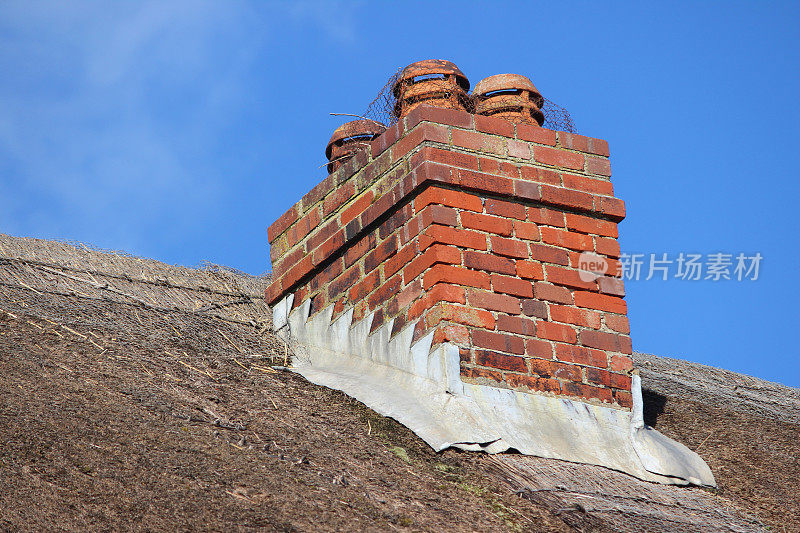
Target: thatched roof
{"x":140,"y":395}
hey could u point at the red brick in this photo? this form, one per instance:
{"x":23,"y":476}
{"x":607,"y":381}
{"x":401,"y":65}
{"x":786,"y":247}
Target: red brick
{"x":601,"y":340}
{"x":552,"y":293}
{"x":386,"y":291}
{"x":365,"y":286}
{"x":420,"y":133}
{"x":494,"y":302}
{"x":519,"y":150}
{"x":538,"y":348}
{"x":478,"y":373}
{"x":595,"y":226}
{"x":318,"y":303}
{"x":444,"y":292}
{"x":438,"y":253}
{"x":500,"y":168}
{"x":554,"y":369}
{"x":607,"y":246}
{"x":572,"y":315}
{"x":378,"y":319}
{"x":399,"y":260}
{"x":528,"y":132}
{"x":516,"y":324}
{"x":446,"y":156}
{"x":494,"y":126}
{"x":456,"y":237}
{"x":558,"y":158}
{"x":556,"y":332}
{"x":294,"y":274}
{"x":283,"y":223}
{"x":428,"y":173}
{"x":485,"y":182}
{"x":454,"y":333}
{"x":452,"y":274}
{"x":587,"y":391}
{"x":530,"y":270}
{"x":533,"y":307}
{"x":620,"y":381}
{"x":451,"y":117}
{"x":512,"y":285}
{"x":499,"y":360}
{"x":273,"y":292}
{"x":329,"y":247}
{"x":487,"y":223}
{"x":527,"y":190}
{"x":346,"y":280}
{"x":467,"y":316}
{"x":609,"y":285}
{"x":532,"y":383}
{"x":571,"y":353}
{"x":438,"y":214}
{"x":621,"y":363}
{"x":439,"y":293}
{"x":355,"y":252}
{"x":338,"y":197}
{"x":356,"y":208}
{"x":602,"y":302}
{"x":302,"y":227}
{"x":623,"y":398}
{"x":438,"y":195}
{"x":598,"y":165}
{"x":582,"y":183}
{"x":614,"y":208}
{"x":545,"y":216}
{"x":567,"y":278}
{"x":386,"y":139}
{"x":573,"y":141}
{"x":381,"y":253}
{"x":526,"y":230}
{"x":548,"y":254}
{"x":598,"y":376}
{"x":566,"y":239}
{"x":540,"y":175}
{"x":480,"y":142}
{"x":326,"y":275}
{"x":409,"y":294}
{"x":505,"y":209}
{"x":510,"y":247}
{"x":567,"y":197}
{"x":489,"y":262}
{"x":288,"y":261}
{"x":498,"y":341}
{"x":397,"y":220}
{"x":317,"y":193}
{"x":618,"y":323}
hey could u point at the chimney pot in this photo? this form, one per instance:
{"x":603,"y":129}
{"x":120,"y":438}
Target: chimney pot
{"x":509,"y":96}
{"x":434,"y":82}
{"x":348,"y":138}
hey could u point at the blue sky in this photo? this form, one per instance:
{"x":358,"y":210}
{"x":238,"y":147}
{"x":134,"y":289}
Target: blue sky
{"x":180,"y":130}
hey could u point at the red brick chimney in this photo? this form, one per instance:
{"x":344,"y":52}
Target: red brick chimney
{"x":472,"y":227}
{"x":439,"y":274}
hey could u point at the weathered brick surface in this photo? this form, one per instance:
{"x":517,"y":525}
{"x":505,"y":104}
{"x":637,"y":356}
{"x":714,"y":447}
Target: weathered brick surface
{"x":471,"y":228}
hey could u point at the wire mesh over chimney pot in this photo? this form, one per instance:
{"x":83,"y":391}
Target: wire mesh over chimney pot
{"x":433,"y":82}
{"x":347,"y":139}
{"x":509,"y":96}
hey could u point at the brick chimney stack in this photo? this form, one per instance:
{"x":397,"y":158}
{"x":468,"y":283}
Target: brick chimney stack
{"x":470,"y":227}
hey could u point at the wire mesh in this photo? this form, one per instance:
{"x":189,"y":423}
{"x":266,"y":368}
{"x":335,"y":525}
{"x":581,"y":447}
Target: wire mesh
{"x":384,"y":108}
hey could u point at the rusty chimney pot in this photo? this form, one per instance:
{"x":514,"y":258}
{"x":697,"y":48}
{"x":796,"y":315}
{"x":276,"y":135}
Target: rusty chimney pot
{"x":509,"y":96}
{"x":348,"y":138}
{"x":433,"y":82}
